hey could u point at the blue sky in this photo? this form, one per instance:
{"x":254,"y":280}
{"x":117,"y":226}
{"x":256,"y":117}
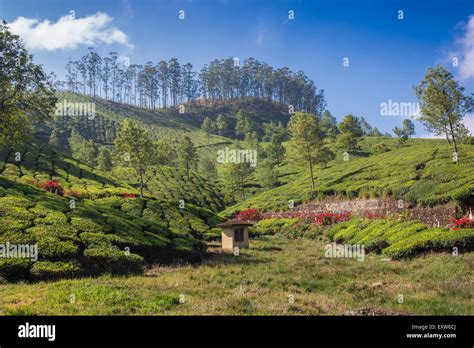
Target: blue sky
{"x":387,"y":56}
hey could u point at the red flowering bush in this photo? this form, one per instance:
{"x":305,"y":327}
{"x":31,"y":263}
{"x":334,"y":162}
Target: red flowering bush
{"x":52,"y":186}
{"x":129,"y":195}
{"x":250,"y":214}
{"x":463,"y":222}
{"x":327,"y":219}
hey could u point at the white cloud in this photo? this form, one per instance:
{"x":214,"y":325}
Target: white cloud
{"x":68,"y":32}
{"x":466,"y":42}
{"x":468,"y":121}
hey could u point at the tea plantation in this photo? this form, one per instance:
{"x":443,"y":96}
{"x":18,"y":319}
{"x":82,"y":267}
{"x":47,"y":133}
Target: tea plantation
{"x":421,"y":172}
{"x":96,"y":224}
{"x":399,"y":240}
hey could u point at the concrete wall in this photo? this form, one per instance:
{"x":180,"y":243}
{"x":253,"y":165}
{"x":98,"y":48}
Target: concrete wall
{"x":228,"y":241}
{"x":431,"y":216}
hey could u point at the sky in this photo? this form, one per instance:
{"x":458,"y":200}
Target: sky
{"x":361,"y":53}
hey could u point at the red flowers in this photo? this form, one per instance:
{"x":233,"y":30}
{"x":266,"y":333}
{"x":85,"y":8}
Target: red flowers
{"x":463,"y":222}
{"x":327,"y":219}
{"x":250,"y":214}
{"x":129,"y":195}
{"x":52,"y":186}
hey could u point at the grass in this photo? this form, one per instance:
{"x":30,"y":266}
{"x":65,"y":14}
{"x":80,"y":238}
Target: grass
{"x":260,"y":282}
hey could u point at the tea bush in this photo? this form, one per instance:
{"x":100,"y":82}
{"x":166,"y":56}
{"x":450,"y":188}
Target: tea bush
{"x":48,"y":270}
{"x":399,"y":239}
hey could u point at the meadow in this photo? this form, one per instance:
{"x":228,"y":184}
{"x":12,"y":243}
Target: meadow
{"x":276,"y":276}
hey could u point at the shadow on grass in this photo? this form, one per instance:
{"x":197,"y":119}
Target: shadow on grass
{"x":268,"y":248}
{"x":224,"y":258}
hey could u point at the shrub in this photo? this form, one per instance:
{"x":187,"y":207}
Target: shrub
{"x":86,"y":225}
{"x":47,"y":270}
{"x":327,"y":218}
{"x":133,"y":207}
{"x":463,"y":222}
{"x":51,"y":245}
{"x":10,"y":224}
{"x":188,"y":244}
{"x":250,"y":214}
{"x":15,"y":269}
{"x":11,"y":201}
{"x":52,"y":186}
{"x":52,"y":217}
{"x":100,"y":259}
{"x":78,"y":194}
{"x":434,"y":239}
{"x":271,"y":226}
{"x":352,"y":229}
{"x":213,"y":235}
{"x":99,"y":239}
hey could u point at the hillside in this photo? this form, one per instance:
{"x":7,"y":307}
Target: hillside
{"x":420,"y":172}
{"x":91,"y":223}
{"x":167,"y":122}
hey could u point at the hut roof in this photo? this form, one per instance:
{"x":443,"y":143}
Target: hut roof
{"x":235,"y":222}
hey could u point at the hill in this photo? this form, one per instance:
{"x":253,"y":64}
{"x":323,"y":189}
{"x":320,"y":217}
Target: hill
{"x":167,"y":122}
{"x":84,"y":221}
{"x":421,"y":172}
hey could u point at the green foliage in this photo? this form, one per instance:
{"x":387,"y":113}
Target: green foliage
{"x":209,"y":127}
{"x":26,"y":92}
{"x":443,"y":103}
{"x":421,"y":172}
{"x":109,"y":259}
{"x":400,"y":239}
{"x":221,"y":124}
{"x":271,"y":226}
{"x":329,"y":125}
{"x":48,"y":270}
{"x":104,"y":159}
{"x":433,"y":239}
{"x":380,"y":148}
{"x":136,"y":146}
{"x":350,"y":132}
{"x":187,"y":154}
{"x":95,"y":233}
{"x":82,"y":149}
{"x":14,"y":268}
{"x":307,"y":141}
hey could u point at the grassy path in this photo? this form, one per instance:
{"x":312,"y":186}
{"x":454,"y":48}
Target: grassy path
{"x":275,"y":277}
